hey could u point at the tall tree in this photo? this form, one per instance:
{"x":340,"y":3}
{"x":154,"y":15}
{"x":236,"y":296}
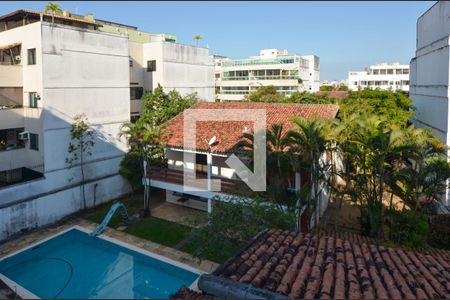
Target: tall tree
{"x":197,"y":38}
{"x":52,"y":8}
{"x":80,"y":145}
{"x":310,"y":140}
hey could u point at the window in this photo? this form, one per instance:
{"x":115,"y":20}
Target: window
{"x":33,"y":98}
{"x":217,"y":75}
{"x":390,"y":71}
{"x":32,"y":56}
{"x":405,"y":71}
{"x":151,"y":65}
{"x":376,"y":72}
{"x":131,"y":63}
{"x":34,"y":141}
{"x":383,"y":72}
{"x":136,"y":93}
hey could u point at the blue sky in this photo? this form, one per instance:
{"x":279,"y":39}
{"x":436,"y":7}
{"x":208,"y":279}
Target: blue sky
{"x":345,"y":35}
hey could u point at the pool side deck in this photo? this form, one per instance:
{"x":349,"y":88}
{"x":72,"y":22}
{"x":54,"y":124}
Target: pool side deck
{"x":35,"y":236}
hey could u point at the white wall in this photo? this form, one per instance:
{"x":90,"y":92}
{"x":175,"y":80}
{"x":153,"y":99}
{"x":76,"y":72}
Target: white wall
{"x":78,"y":71}
{"x":429,"y":73}
{"x":186,"y":69}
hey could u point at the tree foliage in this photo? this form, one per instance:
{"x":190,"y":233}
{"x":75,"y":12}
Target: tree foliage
{"x":233,"y":224}
{"x":145,"y":136}
{"x":265,"y":94}
{"x":52,"y":8}
{"x":81,"y":144}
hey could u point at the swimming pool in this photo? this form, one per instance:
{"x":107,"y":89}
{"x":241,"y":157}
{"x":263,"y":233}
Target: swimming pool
{"x":75,"y":265}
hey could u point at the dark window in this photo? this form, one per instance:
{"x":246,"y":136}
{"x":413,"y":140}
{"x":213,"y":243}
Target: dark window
{"x":151,"y":65}
{"x":131,"y":63}
{"x":133,"y":119}
{"x":32,"y":56}
{"x":136,"y":93}
{"x":34,"y":141}
{"x":33,"y":99}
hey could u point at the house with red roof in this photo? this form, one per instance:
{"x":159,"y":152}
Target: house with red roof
{"x":279,"y":264}
{"x":216,"y":138}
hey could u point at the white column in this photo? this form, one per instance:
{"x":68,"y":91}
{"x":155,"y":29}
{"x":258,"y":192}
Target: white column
{"x":297,"y":181}
{"x":209,"y":165}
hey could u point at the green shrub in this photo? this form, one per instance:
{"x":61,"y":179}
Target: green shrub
{"x":130,"y":168}
{"x":439,"y":236}
{"x":232,"y":225}
{"x":408,"y":227}
{"x":326,"y":88}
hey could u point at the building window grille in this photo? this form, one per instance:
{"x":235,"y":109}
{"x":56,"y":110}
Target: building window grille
{"x":32,"y":56}
{"x":34,"y":141}
{"x":136,"y":93}
{"x":151,"y":65}
{"x":33,"y":99}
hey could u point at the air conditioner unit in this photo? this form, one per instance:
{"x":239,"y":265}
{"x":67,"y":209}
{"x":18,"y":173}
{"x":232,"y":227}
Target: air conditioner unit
{"x":24,"y":135}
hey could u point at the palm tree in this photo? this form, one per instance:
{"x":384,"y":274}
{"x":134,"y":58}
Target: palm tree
{"x":197,"y":38}
{"x":278,"y":162}
{"x":309,"y":139}
{"x":53,"y":8}
{"x":146,"y":140}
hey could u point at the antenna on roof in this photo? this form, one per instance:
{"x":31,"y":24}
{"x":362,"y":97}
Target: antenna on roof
{"x":212,"y":141}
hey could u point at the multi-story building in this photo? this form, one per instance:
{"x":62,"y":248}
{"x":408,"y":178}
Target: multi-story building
{"x":384,"y":76}
{"x":53,"y":68}
{"x":158,"y":59}
{"x":430,"y":74}
{"x":288,"y":73}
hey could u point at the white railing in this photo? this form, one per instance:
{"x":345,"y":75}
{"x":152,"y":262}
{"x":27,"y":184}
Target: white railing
{"x":11,"y":118}
{"x":11,"y":76}
{"x":12,"y":159}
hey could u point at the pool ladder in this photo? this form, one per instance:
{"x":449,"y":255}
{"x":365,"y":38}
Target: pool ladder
{"x":109,"y":215}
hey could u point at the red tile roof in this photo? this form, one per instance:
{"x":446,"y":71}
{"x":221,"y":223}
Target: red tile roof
{"x":229,"y":133}
{"x":309,"y":266}
{"x":186,"y":293}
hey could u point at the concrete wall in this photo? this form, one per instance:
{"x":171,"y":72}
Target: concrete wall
{"x":186,"y":69}
{"x":429,"y":73}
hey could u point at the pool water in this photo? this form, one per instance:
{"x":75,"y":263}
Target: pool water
{"x":76,"y":265}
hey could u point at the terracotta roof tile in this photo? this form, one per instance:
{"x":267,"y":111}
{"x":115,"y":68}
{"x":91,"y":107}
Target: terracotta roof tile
{"x":311,"y":267}
{"x":186,"y":293}
{"x":229,"y":133}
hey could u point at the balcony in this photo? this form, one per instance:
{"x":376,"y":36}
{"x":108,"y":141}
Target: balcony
{"x":227,"y":186}
{"x":266,"y":77}
{"x":13,"y":159}
{"x":11,"y":76}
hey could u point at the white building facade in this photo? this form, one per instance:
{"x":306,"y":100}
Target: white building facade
{"x":384,"y":76}
{"x":430,"y":73}
{"x":49,"y":73}
{"x":288,"y":73}
{"x":159,"y":59}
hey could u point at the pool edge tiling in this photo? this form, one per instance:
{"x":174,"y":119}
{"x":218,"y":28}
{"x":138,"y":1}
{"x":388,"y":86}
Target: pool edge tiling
{"x":75,"y":265}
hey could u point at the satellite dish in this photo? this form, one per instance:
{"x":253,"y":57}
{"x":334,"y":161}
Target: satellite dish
{"x":212,"y":141}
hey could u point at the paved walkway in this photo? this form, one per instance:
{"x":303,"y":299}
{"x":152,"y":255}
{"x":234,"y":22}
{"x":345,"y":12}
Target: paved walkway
{"x":40,"y":234}
{"x":180,"y":214}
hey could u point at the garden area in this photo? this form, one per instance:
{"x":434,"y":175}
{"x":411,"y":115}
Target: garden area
{"x":392,"y":174}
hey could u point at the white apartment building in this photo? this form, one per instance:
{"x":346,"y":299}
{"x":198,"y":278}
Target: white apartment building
{"x":288,"y":73}
{"x":384,"y":76}
{"x":430,"y":73}
{"x":158,"y":59}
{"x":51,"y":69}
